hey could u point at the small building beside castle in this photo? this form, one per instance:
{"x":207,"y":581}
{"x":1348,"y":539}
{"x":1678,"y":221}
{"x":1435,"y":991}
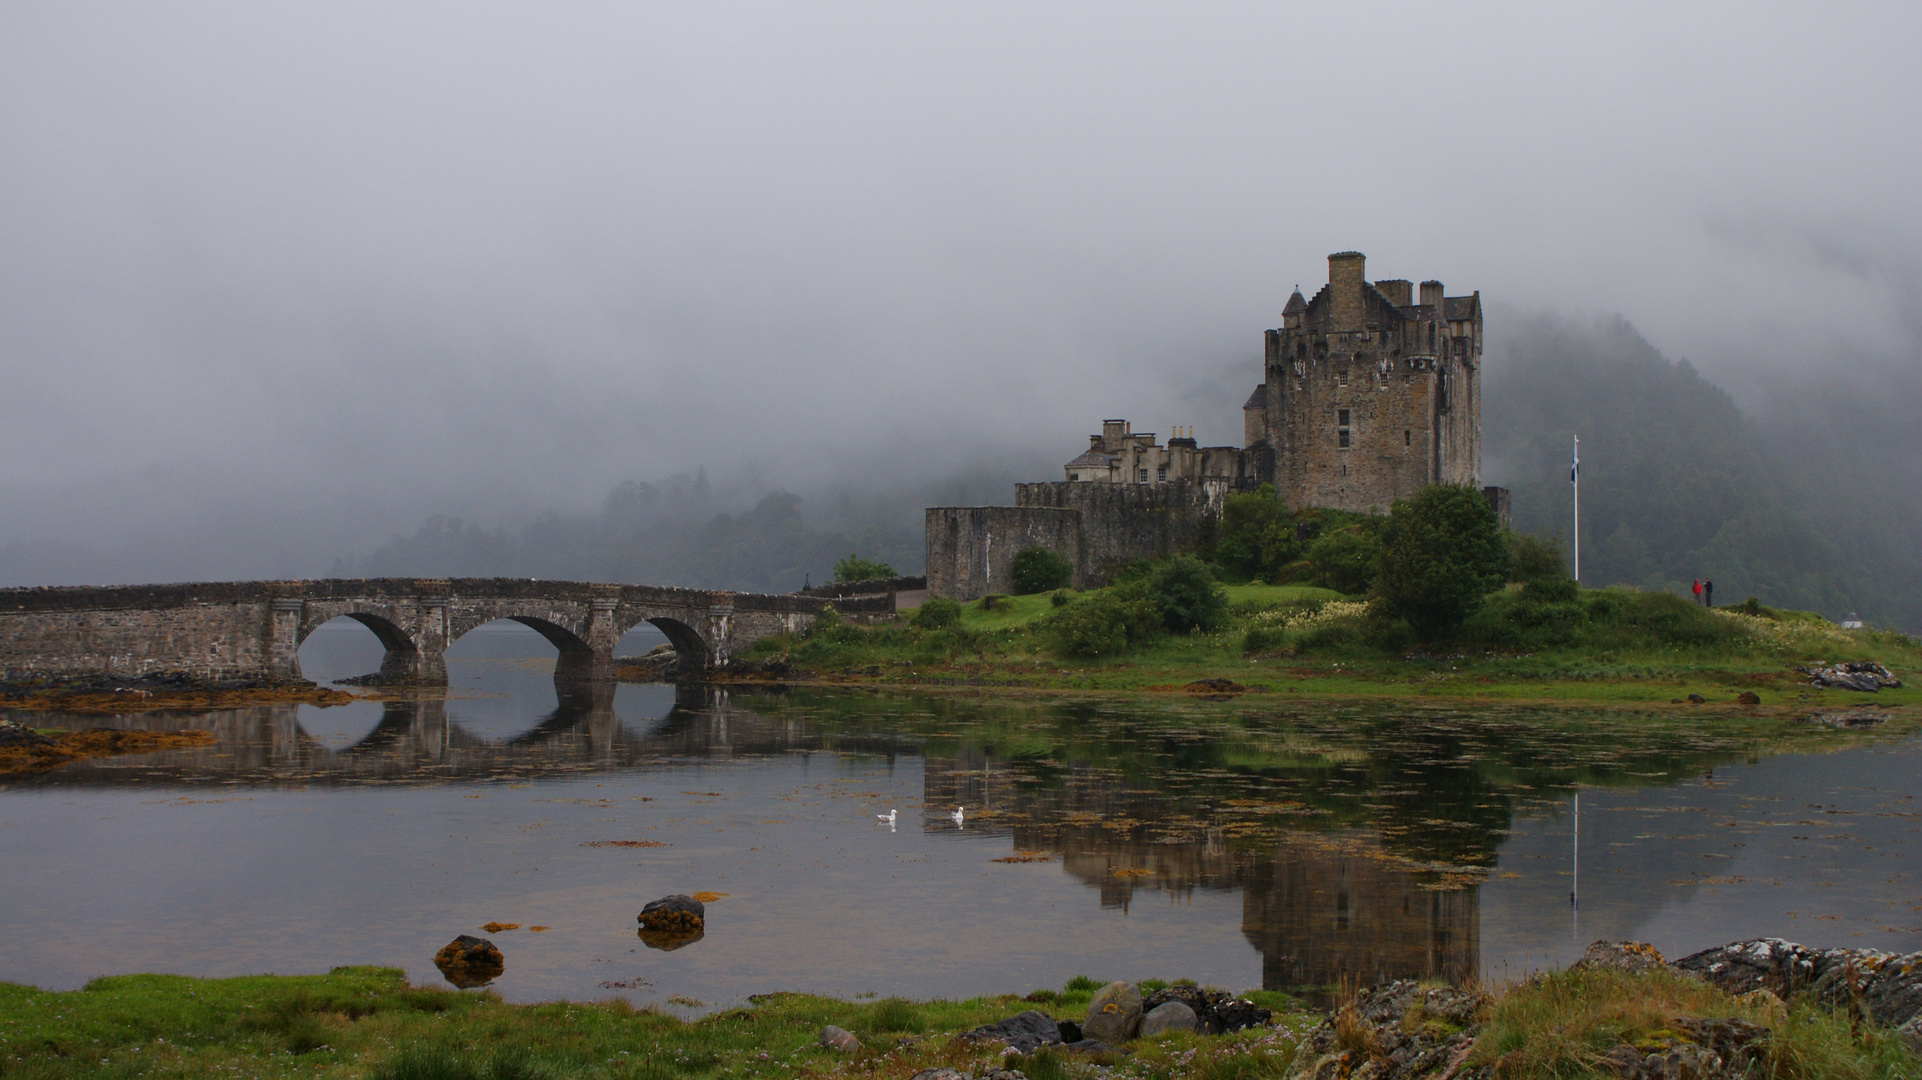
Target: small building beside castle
{"x":1369,"y":393}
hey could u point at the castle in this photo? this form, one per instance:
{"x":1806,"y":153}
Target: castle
{"x":1367,"y":396}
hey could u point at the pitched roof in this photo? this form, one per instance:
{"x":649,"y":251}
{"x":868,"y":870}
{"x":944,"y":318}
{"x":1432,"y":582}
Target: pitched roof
{"x":1094,"y":458}
{"x":1462,"y":307}
{"x":1296,"y":305}
{"x":1259,"y":399}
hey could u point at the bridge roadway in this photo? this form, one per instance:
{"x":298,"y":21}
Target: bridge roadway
{"x":253,"y":629}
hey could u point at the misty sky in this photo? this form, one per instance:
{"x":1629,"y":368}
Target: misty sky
{"x":278,"y":280}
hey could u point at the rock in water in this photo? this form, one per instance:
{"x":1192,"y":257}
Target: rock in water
{"x":1165,"y":1017}
{"x":1114,"y":1014}
{"x":15,"y":733}
{"x":676,"y":914}
{"x":468,"y":962}
{"x":841,"y":1039}
{"x":669,"y":940}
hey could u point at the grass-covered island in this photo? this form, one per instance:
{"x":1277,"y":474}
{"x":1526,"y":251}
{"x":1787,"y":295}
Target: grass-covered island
{"x":1620,"y":1011}
{"x":1434,"y":599}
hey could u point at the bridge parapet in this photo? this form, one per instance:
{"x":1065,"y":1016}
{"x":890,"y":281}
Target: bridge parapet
{"x":253,"y":630}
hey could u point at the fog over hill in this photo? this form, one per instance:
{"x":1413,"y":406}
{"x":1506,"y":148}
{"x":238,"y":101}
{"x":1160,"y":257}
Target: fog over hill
{"x":281,"y":284}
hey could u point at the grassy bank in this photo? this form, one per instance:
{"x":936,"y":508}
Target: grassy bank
{"x":367,"y":1022}
{"x":1605,"y":645}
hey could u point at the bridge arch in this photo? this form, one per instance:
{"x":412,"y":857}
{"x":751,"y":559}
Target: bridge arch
{"x":687,"y":641}
{"x":400,"y":657}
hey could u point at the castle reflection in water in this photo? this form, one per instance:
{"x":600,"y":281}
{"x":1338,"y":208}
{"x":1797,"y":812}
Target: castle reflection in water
{"x":1322,"y":907}
{"x":1348,"y":870}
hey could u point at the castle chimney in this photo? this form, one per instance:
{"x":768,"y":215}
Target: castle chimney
{"x":1399,"y":293}
{"x":1431,"y":295}
{"x":1346,"y":276}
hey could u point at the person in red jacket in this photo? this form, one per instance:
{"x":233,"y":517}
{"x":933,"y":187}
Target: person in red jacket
{"x":1698,"y":590}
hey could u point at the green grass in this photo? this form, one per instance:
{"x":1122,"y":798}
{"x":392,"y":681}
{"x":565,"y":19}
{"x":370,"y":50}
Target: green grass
{"x":1556,"y":1025}
{"x":1605,"y":646}
{"x":367,"y":1022}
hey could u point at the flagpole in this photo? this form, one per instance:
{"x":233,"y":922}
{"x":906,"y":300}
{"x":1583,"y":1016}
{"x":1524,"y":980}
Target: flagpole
{"x":1575,"y":478}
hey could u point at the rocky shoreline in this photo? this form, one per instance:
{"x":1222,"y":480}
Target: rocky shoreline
{"x":1405,"y":1030}
{"x":22,"y":749}
{"x":175,"y":691}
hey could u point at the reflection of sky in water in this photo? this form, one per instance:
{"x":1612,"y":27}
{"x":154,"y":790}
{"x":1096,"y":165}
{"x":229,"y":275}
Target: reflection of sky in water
{"x":500,"y":680}
{"x":1813,"y":848}
{"x":1209,"y":841}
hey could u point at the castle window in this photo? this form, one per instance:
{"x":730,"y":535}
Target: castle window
{"x":1161,"y":473}
{"x":1341,"y":428}
{"x":1074,"y":476}
{"x":1141,"y":475}
{"x":1405,"y":437}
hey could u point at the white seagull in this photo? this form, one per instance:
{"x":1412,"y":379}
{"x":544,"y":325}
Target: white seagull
{"x":887,"y":817}
{"x":959,"y":817}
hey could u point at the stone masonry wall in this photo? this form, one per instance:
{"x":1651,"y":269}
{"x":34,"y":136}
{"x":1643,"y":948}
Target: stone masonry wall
{"x":1124,"y":522}
{"x":971,"y":549}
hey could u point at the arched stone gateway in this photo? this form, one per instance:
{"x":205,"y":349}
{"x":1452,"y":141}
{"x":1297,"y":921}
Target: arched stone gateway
{"x":253,"y":630}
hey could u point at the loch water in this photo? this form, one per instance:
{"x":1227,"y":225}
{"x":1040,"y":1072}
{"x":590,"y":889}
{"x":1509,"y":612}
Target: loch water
{"x":1240,"y":843}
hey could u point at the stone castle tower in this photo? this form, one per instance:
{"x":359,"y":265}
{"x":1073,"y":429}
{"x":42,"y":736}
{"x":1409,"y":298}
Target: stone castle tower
{"x":1368,"y":395}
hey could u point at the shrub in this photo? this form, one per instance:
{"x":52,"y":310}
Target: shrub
{"x":1345,"y":560}
{"x":1255,"y":535}
{"x":1187,"y":595}
{"x":937,"y":613}
{"x":1036,"y":570}
{"x":1061,"y":598}
{"x":994,"y":601}
{"x":1536,"y":558}
{"x":855,"y":568}
{"x":1442,"y":552}
{"x":825,"y":620}
{"x":1108,"y":623}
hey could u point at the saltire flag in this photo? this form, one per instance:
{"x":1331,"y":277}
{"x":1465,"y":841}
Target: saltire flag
{"x":1576,"y":465}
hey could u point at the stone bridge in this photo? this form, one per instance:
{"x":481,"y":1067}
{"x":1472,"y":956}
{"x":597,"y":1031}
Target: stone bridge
{"x":253,"y":629}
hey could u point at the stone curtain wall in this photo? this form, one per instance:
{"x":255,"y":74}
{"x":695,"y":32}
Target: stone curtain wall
{"x":253,"y":630}
{"x":1124,"y":522}
{"x":1098,"y":527}
{"x":971,"y":549}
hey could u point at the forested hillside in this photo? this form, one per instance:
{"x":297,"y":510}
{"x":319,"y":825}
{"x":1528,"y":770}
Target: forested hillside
{"x":1813,"y":506}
